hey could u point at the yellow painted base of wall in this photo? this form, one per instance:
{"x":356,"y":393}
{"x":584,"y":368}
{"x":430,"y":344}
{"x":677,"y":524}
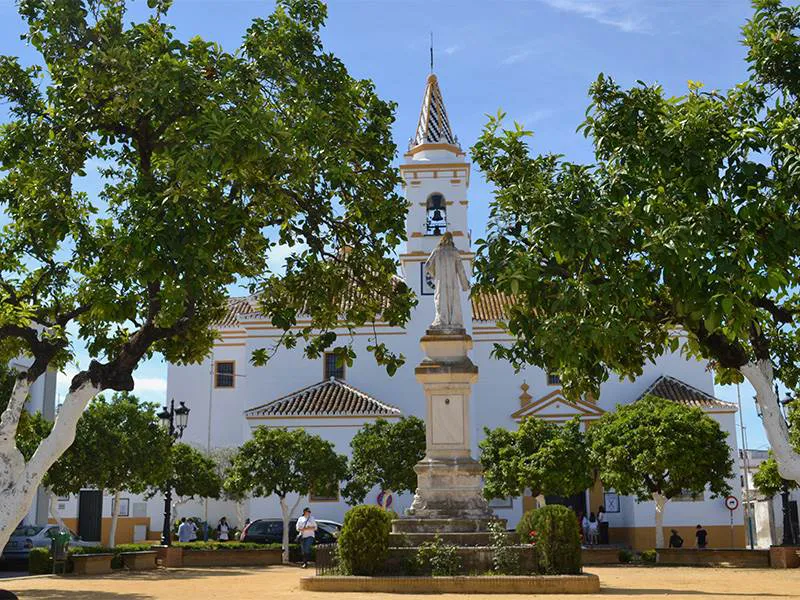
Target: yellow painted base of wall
{"x":644,"y":538}
{"x":125,"y":527}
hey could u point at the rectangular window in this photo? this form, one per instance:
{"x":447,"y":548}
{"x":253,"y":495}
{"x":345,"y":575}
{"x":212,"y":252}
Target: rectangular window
{"x":685,"y":496}
{"x":553,"y":379}
{"x":332,"y":367}
{"x":124,"y":507}
{"x":224,"y":373}
{"x":611,"y":502}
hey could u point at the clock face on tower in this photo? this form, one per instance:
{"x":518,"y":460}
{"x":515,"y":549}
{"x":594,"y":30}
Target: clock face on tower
{"x":427,"y":287}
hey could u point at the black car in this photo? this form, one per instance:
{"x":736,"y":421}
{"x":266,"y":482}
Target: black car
{"x":270,"y":531}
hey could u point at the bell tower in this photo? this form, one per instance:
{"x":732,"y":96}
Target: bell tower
{"x":435,"y":174}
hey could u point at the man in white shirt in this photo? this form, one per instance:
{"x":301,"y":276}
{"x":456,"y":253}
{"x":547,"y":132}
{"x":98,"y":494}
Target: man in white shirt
{"x":306,"y":527}
{"x":184,"y":531}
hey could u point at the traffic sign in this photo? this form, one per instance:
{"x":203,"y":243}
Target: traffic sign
{"x":731,"y":503}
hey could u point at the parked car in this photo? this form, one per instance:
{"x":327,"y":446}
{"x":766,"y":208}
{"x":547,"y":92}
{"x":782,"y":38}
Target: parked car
{"x":26,"y":537}
{"x":270,"y":531}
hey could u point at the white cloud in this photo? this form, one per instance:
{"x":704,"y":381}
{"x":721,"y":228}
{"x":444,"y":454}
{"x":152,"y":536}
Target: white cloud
{"x":620,"y":14}
{"x":540,"y":114}
{"x":450,"y":50}
{"x":151,"y":387}
{"x":517,"y":56}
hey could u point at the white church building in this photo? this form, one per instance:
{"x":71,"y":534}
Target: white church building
{"x":229,"y":397}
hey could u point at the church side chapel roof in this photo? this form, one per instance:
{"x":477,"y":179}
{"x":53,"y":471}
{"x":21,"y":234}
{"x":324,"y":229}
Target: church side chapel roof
{"x":676,"y":390}
{"x":329,"y":398}
{"x":434,"y":126}
{"x":490,"y":306}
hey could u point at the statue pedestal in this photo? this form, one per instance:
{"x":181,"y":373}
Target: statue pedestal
{"x":449,"y":496}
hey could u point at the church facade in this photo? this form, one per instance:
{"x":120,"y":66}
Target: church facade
{"x":229,"y":397}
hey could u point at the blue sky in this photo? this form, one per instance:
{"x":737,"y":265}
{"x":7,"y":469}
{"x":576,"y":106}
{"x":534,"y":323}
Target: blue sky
{"x":535,"y":59}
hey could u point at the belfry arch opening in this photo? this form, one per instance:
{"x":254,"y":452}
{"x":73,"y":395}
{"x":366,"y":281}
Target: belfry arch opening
{"x":436,"y":215}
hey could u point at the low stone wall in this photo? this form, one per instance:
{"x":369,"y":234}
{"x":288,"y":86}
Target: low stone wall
{"x":600,"y":556}
{"x":537,"y":584}
{"x":784,"y":557}
{"x":717,"y":557}
{"x":231,"y":558}
{"x":474,"y":559}
{"x":139,"y":561}
{"x":91,"y":564}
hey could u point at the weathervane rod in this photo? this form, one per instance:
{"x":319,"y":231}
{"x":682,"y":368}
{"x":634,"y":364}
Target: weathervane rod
{"x":431,"y":52}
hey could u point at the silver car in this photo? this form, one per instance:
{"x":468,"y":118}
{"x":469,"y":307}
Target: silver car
{"x":26,"y":537}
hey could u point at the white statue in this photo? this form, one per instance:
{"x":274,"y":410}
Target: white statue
{"x":447,"y":271}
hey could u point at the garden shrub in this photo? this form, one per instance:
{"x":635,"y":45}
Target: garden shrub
{"x":625,"y":556}
{"x":438,"y":558}
{"x":557,"y":538}
{"x":648,"y":556}
{"x":215,"y":545}
{"x":39,"y":561}
{"x":364,"y":540}
{"x":505,"y":558}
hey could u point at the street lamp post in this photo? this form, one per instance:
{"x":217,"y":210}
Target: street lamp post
{"x":175,"y":421}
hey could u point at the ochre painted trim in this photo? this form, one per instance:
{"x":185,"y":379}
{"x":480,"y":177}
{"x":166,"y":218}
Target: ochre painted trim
{"x":419,"y":167}
{"x":422,"y":147}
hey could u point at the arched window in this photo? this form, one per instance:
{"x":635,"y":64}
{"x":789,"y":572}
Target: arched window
{"x":436,"y":216}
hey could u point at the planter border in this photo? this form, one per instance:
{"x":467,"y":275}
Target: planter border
{"x":586,"y":583}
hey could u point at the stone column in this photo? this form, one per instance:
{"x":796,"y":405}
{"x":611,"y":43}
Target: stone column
{"x":449,"y":495}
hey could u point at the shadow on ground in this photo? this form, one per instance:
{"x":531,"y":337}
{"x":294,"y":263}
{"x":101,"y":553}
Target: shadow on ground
{"x":76,"y":594}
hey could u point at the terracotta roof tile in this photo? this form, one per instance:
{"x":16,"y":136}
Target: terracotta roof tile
{"x":490,"y":306}
{"x":330,"y":398}
{"x":678,"y":391}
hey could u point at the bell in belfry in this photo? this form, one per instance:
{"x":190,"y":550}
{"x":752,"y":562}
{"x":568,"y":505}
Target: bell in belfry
{"x":437,"y":215}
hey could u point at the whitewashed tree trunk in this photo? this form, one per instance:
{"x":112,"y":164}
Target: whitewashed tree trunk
{"x":112,"y":535}
{"x":760,"y":376}
{"x":240,"y":515}
{"x":52,"y":501}
{"x":661,"y":502}
{"x":18,"y":480}
{"x":287,"y":518}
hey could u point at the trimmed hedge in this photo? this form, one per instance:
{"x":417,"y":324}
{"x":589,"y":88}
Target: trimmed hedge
{"x":648,"y":556}
{"x":40,"y":561}
{"x":364,"y":540}
{"x":214,"y":545}
{"x":557,"y":539}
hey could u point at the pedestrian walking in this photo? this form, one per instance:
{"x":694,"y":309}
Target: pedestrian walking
{"x":184,"y":531}
{"x":702,"y":536}
{"x":675,"y":541}
{"x":306,"y":527}
{"x":593,"y":531}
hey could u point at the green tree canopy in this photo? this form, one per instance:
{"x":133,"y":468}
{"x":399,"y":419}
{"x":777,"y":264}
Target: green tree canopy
{"x":543,"y":457}
{"x":192,"y":474}
{"x":280,"y":462}
{"x":656,"y":449}
{"x":119,"y":446}
{"x":768,"y":480}
{"x":207,"y":161}
{"x":384,"y":455}
{"x":683,"y":234}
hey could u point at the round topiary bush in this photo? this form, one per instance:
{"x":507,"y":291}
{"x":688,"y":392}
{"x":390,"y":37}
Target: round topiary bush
{"x":364,"y":540}
{"x":555,"y":532}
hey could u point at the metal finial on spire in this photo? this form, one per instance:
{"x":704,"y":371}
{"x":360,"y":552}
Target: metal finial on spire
{"x":431,"y":52}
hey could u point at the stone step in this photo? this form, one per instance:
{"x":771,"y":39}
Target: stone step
{"x":461,"y":539}
{"x":443,"y":525}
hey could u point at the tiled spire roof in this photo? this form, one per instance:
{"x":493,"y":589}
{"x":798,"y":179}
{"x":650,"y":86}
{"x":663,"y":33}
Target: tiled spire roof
{"x":433,"y":126}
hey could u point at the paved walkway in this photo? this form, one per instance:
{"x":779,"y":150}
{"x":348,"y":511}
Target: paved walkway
{"x":280,"y":583}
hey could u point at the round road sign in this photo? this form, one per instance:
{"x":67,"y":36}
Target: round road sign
{"x":731,"y":503}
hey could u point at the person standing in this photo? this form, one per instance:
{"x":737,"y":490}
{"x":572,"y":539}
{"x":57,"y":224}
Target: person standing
{"x":307,"y":528}
{"x":602,"y":524}
{"x":193,"y":531}
{"x":675,"y":541}
{"x":223,"y":530}
{"x":592,"y":530}
{"x":585,"y":528}
{"x":244,"y":529}
{"x":702,"y":536}
{"x":184,"y":531}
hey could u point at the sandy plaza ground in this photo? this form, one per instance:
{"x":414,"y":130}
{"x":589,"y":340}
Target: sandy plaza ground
{"x":281,"y":583}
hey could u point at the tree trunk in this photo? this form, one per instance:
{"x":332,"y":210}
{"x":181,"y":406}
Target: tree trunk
{"x":240,"y":515}
{"x":114,"y":518}
{"x":287,"y":518}
{"x":760,"y":376}
{"x":660,"y":501}
{"x":19,"y":481}
{"x":52,"y":500}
